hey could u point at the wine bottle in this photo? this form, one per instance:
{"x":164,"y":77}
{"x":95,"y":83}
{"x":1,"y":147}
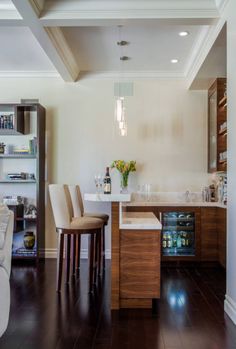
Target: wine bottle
{"x":164,"y":241}
{"x":107,"y":182}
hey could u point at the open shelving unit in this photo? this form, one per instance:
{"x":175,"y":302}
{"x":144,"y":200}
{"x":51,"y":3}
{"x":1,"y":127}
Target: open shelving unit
{"x":24,"y":122}
{"x":217,"y":126}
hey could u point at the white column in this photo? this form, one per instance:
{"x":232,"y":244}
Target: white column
{"x":230,"y":299}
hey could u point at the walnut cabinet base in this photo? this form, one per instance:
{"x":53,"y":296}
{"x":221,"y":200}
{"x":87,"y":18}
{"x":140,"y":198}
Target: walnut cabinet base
{"x":135,"y":266}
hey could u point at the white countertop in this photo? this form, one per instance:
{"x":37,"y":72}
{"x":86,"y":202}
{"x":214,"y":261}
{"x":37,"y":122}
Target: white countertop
{"x":126,"y":198}
{"x":140,"y":221}
{"x":108,"y":197}
{"x":177,"y":204}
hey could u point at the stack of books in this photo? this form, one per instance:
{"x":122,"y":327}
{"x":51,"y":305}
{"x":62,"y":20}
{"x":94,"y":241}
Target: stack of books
{"x":18,"y":176}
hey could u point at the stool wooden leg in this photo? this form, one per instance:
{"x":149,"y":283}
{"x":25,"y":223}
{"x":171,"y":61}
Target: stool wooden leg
{"x":103,"y":247}
{"x":60,"y":251}
{"x":91,"y":262}
{"x":78,"y":247}
{"x":97,"y":254}
{"x":74,"y":243}
{"x":68,"y":243}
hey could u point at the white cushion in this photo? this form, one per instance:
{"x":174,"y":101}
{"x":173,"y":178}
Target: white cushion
{"x":2,"y":257}
{"x":6,"y":223}
{"x":4,"y":300}
{"x":3,"y":209}
{"x":4,"y":219}
{"x":2,"y":239}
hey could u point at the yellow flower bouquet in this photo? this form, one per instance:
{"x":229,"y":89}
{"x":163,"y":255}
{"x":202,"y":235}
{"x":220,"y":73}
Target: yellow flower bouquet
{"x":124,"y":168}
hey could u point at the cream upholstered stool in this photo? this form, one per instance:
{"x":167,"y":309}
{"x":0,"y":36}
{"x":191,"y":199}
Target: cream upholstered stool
{"x":78,"y":210}
{"x":68,"y":227}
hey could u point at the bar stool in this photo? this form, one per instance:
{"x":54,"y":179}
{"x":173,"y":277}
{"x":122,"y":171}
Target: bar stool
{"x":78,"y":210}
{"x":67,"y":226}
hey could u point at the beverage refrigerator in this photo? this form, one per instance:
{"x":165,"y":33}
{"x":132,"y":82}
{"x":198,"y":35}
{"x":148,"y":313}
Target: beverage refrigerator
{"x":179,"y":234}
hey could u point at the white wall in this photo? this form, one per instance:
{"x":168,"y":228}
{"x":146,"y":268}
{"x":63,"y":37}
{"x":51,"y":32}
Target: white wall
{"x":167,"y":133}
{"x":230,"y":302}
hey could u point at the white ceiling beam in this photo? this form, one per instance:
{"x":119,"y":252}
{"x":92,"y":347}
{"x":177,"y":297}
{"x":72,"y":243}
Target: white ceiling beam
{"x":38,"y":6}
{"x":95,"y":22}
{"x":81,"y":13}
{"x":221,"y":4}
{"x":10,"y":22}
{"x":203,"y":51}
{"x":9,"y":16}
{"x":51,"y":40}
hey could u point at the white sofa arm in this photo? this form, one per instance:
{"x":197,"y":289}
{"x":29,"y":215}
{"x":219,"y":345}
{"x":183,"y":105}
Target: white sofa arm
{"x":5,"y":270}
{"x":7,"y":247}
{"x":4,"y":300}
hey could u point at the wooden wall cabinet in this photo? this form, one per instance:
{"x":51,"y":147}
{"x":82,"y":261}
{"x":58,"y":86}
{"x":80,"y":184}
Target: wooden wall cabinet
{"x":217,"y":133}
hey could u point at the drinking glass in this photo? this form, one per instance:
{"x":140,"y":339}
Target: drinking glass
{"x":100,"y":183}
{"x":147,"y":191}
{"x":96,"y":180}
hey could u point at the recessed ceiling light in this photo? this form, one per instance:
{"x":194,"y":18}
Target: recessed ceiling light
{"x":174,"y":61}
{"x":183,"y":33}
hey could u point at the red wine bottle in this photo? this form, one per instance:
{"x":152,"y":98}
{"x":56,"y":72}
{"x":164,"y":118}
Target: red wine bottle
{"x":107,"y":182}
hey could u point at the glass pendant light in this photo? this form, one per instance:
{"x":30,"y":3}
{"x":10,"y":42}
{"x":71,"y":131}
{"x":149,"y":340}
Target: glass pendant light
{"x":119,"y":108}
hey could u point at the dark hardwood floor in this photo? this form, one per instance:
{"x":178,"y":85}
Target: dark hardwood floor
{"x":190,"y":314}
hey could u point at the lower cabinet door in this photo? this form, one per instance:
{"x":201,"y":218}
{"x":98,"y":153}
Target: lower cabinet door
{"x":209,"y":234}
{"x":222,"y":235}
{"x":139,"y":264}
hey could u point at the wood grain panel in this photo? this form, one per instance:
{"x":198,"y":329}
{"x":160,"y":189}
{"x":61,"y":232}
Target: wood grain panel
{"x":209,"y":234}
{"x":136,"y":303}
{"x":222,"y":234}
{"x":139,"y":264}
{"x":115,"y":257}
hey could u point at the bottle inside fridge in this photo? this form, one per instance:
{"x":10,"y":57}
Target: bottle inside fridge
{"x":178,"y":234}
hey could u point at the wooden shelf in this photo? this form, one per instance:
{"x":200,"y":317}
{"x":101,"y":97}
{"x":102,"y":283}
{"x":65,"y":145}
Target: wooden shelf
{"x":19,"y":256}
{"x":26,"y":219}
{"x":223,"y":132}
{"x":223,"y":161}
{"x":17,"y":181}
{"x":18,"y":156}
{"x":223,"y":102}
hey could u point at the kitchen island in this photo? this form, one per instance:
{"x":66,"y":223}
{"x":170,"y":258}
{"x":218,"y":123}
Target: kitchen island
{"x":137,"y":275}
{"x":135,"y":254}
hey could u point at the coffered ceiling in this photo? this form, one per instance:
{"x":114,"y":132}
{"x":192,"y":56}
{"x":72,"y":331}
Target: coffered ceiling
{"x":75,"y":38}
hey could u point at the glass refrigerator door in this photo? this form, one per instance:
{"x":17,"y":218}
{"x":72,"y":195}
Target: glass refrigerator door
{"x":178,"y":234}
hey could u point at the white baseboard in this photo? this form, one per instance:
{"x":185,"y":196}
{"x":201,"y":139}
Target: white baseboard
{"x":230,"y":308}
{"x":52,"y":253}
